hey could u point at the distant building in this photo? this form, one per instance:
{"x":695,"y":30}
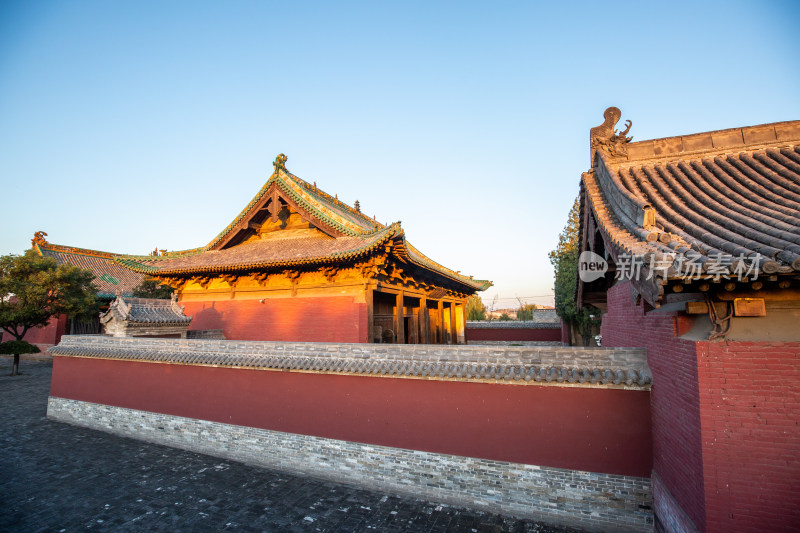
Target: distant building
{"x":700,"y":236}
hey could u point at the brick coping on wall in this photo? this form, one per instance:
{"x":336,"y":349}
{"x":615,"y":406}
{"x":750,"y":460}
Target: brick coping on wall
{"x":542,"y":365}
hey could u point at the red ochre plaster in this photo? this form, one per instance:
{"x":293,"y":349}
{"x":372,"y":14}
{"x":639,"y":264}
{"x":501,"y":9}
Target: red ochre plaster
{"x":319,"y":319}
{"x":725,"y":418}
{"x":593,"y":429}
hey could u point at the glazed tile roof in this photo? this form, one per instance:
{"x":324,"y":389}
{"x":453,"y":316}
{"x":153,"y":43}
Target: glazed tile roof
{"x":352,"y":234}
{"x":726,"y":194}
{"x":355,"y":235}
{"x":110,"y":277}
{"x":270,"y":253}
{"x":320,"y":205}
{"x":290,"y":252}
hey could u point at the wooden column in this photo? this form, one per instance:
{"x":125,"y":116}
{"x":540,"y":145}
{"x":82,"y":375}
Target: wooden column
{"x":453,"y":327}
{"x":368,"y":296}
{"x":440,"y":318}
{"x":461,"y":313}
{"x":423,"y":321}
{"x":398,"y":319}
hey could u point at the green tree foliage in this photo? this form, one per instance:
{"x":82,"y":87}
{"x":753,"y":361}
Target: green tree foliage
{"x":34,"y":289}
{"x":565,"y":263}
{"x":18,"y":347}
{"x":152,"y":288}
{"x":525,"y":311}
{"x":476,"y":310}
{"x":504,"y":317}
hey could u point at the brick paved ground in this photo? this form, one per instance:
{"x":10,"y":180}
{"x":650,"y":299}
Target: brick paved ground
{"x":56,"y":477}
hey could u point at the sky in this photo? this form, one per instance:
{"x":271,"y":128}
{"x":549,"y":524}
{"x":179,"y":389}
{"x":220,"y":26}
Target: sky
{"x":126,"y":126}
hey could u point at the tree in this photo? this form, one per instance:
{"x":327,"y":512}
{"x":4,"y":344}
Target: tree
{"x":565,"y":263}
{"x":505,"y":317}
{"x":34,"y":289}
{"x":17,"y":348}
{"x":476,"y":310}
{"x":525,"y":311}
{"x":152,"y":288}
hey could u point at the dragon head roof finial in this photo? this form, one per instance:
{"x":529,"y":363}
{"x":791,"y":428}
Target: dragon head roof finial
{"x":605,"y":137}
{"x":39,"y":238}
{"x":280,"y":163}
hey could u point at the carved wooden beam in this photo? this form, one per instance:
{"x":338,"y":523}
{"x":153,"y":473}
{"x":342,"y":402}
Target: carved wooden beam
{"x":330,"y":273}
{"x":175,"y":283}
{"x":203,"y":281}
{"x":230,"y":279}
{"x":275,"y":206}
{"x":294,"y":277}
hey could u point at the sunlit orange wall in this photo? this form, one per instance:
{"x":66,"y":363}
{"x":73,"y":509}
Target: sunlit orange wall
{"x":321,"y":319}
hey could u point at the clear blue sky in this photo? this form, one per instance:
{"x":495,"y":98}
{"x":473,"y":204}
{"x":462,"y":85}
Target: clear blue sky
{"x":130,"y":125}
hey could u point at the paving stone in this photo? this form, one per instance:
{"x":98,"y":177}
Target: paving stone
{"x":57,"y":477}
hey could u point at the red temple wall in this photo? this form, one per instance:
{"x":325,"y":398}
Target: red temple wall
{"x":320,"y":319}
{"x":726,"y":436}
{"x":675,"y":396}
{"x":513,"y":334}
{"x":594,"y":429}
{"x":750,"y":413}
{"x":44,"y":337}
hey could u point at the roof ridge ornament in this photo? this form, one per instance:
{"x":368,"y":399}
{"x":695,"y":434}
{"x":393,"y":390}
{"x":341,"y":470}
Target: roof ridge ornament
{"x":39,"y":238}
{"x":280,"y":163}
{"x":604,"y":137}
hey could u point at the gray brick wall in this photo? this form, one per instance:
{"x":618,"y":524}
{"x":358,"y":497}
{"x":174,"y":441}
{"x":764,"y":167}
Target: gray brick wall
{"x":593,"y":501}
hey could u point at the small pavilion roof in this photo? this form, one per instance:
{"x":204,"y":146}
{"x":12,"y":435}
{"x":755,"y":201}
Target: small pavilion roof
{"x":730,"y":193}
{"x":145,"y":311}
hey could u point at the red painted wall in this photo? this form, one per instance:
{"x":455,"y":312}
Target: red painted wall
{"x":675,"y":396}
{"x":325,"y":319}
{"x":725,"y":418}
{"x":602,"y":430}
{"x":513,"y":334}
{"x":750,"y":413}
{"x":44,"y":337}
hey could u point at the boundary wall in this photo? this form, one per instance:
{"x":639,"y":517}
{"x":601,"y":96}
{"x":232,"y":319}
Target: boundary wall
{"x":556,"y":434}
{"x":514,"y":331}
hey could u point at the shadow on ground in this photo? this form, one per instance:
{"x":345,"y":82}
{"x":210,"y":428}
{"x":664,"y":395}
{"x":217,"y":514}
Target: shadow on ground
{"x":56,"y":477}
